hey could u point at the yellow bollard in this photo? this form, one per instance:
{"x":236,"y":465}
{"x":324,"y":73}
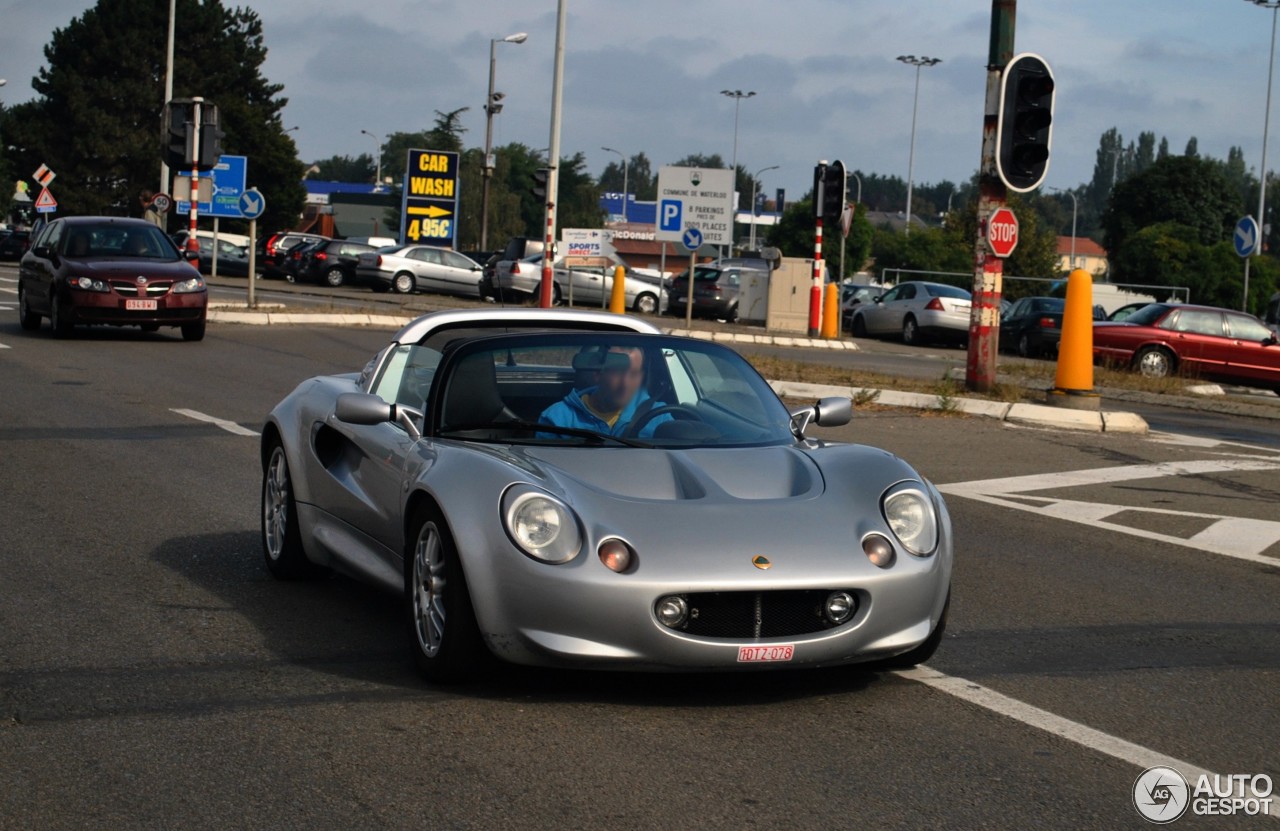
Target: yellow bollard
{"x":618,"y":297}
{"x":831,"y":312}
{"x":1073,"y":386}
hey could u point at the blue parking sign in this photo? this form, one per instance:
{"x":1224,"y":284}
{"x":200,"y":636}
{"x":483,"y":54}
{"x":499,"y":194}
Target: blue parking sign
{"x":670,"y":215}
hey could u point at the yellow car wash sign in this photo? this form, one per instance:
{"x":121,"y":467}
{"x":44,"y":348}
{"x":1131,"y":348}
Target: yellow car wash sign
{"x":429,"y":207}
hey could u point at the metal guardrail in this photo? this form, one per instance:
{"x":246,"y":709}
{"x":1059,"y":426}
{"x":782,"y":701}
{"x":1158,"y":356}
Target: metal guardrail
{"x":1184,"y":291}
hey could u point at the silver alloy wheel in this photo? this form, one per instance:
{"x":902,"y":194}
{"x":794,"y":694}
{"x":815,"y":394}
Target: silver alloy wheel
{"x":1154,"y":363}
{"x":428,"y":590}
{"x":334,"y":277}
{"x":404,"y":283}
{"x":909,"y":331}
{"x":646,"y":304}
{"x":275,"y":503}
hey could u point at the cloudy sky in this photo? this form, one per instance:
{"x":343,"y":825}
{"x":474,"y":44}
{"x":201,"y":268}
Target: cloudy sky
{"x":647,"y":75}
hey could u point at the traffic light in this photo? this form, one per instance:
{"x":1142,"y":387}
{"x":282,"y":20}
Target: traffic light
{"x":176,"y":146}
{"x":1025,"y":130}
{"x":829,"y":192}
{"x":211,"y":137}
{"x":540,"y":178}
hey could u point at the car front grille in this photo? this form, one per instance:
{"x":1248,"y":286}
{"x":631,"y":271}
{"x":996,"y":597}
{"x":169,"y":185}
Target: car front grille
{"x":130,"y":288}
{"x":767,"y":614}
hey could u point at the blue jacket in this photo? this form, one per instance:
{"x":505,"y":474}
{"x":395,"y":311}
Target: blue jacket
{"x":570,"y":411}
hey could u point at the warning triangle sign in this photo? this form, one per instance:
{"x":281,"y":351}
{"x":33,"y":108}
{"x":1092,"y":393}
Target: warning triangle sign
{"x":45,"y":200}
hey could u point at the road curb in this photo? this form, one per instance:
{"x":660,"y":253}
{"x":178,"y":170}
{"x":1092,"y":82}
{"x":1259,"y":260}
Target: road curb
{"x":1031,"y":415}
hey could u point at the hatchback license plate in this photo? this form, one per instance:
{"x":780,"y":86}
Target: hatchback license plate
{"x":141,"y":305}
{"x":765,"y":654}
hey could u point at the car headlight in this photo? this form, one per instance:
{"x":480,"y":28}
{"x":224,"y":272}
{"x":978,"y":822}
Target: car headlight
{"x":88,"y":284}
{"x":188,"y":286}
{"x":911,"y":517}
{"x":541,"y":525}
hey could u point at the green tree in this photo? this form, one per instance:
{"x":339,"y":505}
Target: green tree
{"x":345,"y":169}
{"x":577,"y":196}
{"x":1193,"y":148}
{"x":1186,"y":190}
{"x":793,"y":235}
{"x":96,"y":118}
{"x":639,"y":179}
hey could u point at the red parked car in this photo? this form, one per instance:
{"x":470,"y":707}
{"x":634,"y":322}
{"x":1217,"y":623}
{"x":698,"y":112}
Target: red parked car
{"x":1162,"y":339}
{"x":109,"y":270}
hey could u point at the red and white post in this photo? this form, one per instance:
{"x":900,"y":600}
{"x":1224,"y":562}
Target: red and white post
{"x":815,"y":293}
{"x":193,"y":245}
{"x":545,"y":296}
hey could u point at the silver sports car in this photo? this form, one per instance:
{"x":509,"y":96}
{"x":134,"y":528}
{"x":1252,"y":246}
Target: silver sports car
{"x":577,"y":489}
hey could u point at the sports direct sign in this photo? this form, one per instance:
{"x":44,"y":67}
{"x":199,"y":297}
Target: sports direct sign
{"x":1002,"y":232}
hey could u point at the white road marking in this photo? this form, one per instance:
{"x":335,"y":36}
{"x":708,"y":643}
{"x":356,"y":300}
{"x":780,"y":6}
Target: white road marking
{"x":1072,"y":731}
{"x":4,"y":308}
{"x":1241,"y":538}
{"x":2,"y":346}
{"x":8,"y":279}
{"x":8,"y":291}
{"x":229,"y":426}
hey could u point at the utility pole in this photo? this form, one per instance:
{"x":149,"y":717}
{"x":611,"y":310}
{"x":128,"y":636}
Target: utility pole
{"x":168,"y":94}
{"x":492,"y":106}
{"x":553,"y":159}
{"x":988,"y":272}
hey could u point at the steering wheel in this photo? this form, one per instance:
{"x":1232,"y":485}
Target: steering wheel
{"x":679,"y":411}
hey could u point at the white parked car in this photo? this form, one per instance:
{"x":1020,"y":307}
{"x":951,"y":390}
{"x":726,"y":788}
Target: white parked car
{"x":409,"y":268}
{"x":916,"y":311}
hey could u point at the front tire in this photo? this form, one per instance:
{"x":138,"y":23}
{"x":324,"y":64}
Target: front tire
{"x":193,"y":331}
{"x":27,"y":319}
{"x":646,"y":304}
{"x":1154,"y":362}
{"x":859,"y":327}
{"x":1024,"y":346}
{"x":335,"y":277}
{"x":62,"y":325}
{"x":443,"y":633}
{"x":281,"y":538}
{"x":403,"y":283}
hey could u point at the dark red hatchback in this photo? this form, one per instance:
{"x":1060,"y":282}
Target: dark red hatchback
{"x":1198,"y":341}
{"x":109,"y":270}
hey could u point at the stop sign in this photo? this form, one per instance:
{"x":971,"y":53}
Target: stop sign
{"x":1002,"y":232}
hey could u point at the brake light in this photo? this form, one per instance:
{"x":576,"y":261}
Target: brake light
{"x":515,"y":267}
{"x":379,"y":260}
{"x":322,"y":256}
{"x":271,"y":243}
{"x":1047,"y":323}
{"x":935,"y":305}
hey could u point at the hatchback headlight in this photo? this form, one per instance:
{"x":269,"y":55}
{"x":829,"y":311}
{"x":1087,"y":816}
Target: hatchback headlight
{"x":188,"y":286}
{"x":88,"y":284}
{"x":912,"y":519}
{"x":541,"y":525}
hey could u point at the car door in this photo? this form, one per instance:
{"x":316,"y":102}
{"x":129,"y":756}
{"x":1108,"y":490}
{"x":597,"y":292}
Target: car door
{"x":37,"y":273}
{"x":460,"y":275}
{"x":875,"y":313}
{"x":1011,"y":325}
{"x":1254,"y":354}
{"x":1198,"y":336}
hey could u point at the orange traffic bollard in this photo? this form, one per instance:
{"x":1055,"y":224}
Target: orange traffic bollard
{"x":618,"y":297}
{"x":831,"y":312}
{"x":1073,"y":386}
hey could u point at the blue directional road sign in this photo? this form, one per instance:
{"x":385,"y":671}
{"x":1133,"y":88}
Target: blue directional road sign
{"x":691,"y":239}
{"x":252,"y":204}
{"x":1247,"y":238}
{"x":228,"y":177}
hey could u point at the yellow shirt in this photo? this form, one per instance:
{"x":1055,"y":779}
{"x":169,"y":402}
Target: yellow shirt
{"x":608,"y":418}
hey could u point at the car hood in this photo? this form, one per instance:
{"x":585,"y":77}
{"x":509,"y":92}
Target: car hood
{"x":711,"y":474}
{"x":131,"y":267}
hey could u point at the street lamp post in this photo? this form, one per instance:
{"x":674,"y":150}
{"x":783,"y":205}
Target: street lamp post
{"x":624,"y":179}
{"x":737,"y":95}
{"x":492,"y":107}
{"x":1273,"y":6}
{"x":377,"y":176}
{"x":755,"y":186}
{"x":1074,"y":210}
{"x":918,"y":63}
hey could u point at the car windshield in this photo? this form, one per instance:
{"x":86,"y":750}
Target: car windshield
{"x":603,"y":389}
{"x":113,"y":240}
{"x":1148,"y":315}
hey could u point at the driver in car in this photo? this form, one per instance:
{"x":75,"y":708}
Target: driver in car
{"x":614,"y":402}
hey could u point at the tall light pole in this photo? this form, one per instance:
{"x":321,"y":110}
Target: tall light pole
{"x":755,"y":186}
{"x":918,"y":63}
{"x":553,"y":159}
{"x":492,"y":106}
{"x":168,"y":90}
{"x":737,"y":95}
{"x":1273,"y":5}
{"x":624,"y":179}
{"x":377,"y":177}
{"x":1074,"y":210}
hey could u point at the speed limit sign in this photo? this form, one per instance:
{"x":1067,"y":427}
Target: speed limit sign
{"x":161,"y":203}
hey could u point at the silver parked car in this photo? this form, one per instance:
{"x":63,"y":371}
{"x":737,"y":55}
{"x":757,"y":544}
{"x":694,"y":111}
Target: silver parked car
{"x":591,"y":286}
{"x":916,"y":311}
{"x":409,"y":268}
{"x":467,"y":471}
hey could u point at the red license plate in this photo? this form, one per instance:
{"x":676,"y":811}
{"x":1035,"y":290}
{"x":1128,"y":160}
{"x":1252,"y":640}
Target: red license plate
{"x":141,"y":305}
{"x":765,"y":654}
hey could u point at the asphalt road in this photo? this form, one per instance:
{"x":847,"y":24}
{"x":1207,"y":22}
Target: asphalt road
{"x":152,"y":674}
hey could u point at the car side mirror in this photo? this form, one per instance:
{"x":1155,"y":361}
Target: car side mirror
{"x":879,"y":299}
{"x":836,"y":411}
{"x":1271,"y":341}
{"x":42,"y":251}
{"x":363,"y":408}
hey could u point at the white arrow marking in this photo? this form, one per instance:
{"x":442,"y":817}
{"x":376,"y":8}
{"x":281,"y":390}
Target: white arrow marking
{"x":251,"y":204}
{"x":1245,"y":235}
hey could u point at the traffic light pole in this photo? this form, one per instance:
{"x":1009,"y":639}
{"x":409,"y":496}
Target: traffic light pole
{"x":988,"y":271}
{"x":193,"y":245}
